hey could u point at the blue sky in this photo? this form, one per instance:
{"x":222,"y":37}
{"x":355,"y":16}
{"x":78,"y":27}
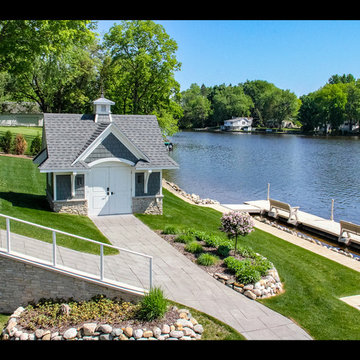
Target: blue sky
{"x":299,"y":55}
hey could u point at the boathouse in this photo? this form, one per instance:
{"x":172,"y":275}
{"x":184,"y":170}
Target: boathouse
{"x":102,"y":163}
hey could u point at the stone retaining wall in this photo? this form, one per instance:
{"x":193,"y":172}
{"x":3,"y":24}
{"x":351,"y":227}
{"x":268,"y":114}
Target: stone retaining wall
{"x":24,"y":282}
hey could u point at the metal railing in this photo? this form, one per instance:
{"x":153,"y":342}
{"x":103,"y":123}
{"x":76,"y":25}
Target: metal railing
{"x":54,"y":246}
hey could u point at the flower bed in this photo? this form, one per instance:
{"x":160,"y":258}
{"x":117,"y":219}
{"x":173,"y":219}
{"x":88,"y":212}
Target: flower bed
{"x":245,"y":271}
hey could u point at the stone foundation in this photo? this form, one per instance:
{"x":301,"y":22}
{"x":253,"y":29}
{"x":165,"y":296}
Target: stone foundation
{"x":148,"y":205}
{"x":76,"y":207}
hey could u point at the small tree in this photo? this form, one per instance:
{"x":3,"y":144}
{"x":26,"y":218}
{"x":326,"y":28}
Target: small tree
{"x":35,"y":146}
{"x":236,"y":223}
{"x":6,"y":141}
{"x":20,"y":144}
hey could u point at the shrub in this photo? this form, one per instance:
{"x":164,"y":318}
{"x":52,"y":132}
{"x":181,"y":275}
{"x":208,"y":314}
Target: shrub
{"x":190,"y":231}
{"x":194,"y":247}
{"x":247,"y":252}
{"x":35,"y":146}
{"x":233,"y":264}
{"x":248,"y":274}
{"x":153,"y":305}
{"x":245,"y":270}
{"x":223,"y":250}
{"x":262,"y":265}
{"x":170,"y":230}
{"x":6,"y":142}
{"x":184,"y":238}
{"x":20,"y":144}
{"x":206,"y":259}
{"x":213,"y":240}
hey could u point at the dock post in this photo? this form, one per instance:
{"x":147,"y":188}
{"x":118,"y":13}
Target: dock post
{"x":268,"y":192}
{"x":332,"y":210}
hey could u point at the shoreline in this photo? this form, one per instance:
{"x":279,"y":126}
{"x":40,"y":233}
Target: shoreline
{"x":324,"y":251}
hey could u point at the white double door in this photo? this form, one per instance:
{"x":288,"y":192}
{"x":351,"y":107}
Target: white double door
{"x":110,"y":190}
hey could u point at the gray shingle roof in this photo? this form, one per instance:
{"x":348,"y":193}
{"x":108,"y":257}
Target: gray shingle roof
{"x":69,"y":135}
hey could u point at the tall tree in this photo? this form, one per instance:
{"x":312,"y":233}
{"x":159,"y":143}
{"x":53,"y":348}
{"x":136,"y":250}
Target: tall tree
{"x":49,"y":61}
{"x":230,"y":101}
{"x":143,"y":60}
{"x":331,"y":100}
{"x":196,"y":107}
{"x":23,"y":41}
{"x":352,"y":106}
{"x":343,"y":79}
{"x":286,"y":106}
{"x":271,"y":104}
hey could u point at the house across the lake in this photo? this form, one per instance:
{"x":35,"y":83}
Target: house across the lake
{"x":238,"y":123}
{"x":102,"y":164}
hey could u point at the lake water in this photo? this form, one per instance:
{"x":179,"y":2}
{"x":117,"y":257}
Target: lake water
{"x":302,"y":171}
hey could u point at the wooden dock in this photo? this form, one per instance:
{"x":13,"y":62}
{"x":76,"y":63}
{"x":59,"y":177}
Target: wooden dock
{"x":312,"y":223}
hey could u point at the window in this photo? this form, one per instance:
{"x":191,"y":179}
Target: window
{"x":139,"y":184}
{"x":79,"y":187}
{"x":63,"y":187}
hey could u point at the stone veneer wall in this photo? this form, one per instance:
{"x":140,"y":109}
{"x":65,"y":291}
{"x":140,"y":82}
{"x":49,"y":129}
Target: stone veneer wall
{"x":23,"y":282}
{"x":77,"y":207}
{"x":148,"y":205}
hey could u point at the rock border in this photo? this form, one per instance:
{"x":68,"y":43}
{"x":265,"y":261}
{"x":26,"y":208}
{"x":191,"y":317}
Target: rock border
{"x":192,"y":197}
{"x":306,"y":237}
{"x":269,"y":285}
{"x":185,"y":327}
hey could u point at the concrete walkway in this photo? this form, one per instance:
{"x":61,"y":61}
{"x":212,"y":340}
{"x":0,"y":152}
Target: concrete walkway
{"x":184,"y":282}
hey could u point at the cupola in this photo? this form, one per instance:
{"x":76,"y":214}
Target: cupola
{"x":102,"y":109}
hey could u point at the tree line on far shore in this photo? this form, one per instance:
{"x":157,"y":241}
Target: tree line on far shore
{"x":334,"y":104}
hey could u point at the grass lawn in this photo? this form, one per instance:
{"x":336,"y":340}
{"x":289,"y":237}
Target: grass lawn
{"x":22,"y":195}
{"x":313,"y":284}
{"x":29,"y":133}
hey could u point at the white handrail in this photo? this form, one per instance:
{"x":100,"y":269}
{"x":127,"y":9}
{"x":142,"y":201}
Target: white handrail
{"x":54,"y":231}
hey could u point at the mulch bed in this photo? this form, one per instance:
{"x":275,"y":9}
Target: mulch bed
{"x":219,"y":267}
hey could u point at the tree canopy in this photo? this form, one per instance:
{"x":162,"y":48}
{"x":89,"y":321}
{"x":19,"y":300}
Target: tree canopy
{"x":62,"y":66}
{"x":334,"y":104}
{"x":210,"y":106}
{"x":140,"y":71}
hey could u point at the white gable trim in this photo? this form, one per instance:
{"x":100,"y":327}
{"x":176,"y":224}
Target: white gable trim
{"x":112,"y":128}
{"x":110,"y":159}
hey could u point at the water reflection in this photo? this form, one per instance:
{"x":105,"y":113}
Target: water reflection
{"x":303,"y":171}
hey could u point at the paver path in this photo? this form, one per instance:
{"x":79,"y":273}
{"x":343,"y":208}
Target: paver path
{"x":184,"y":282}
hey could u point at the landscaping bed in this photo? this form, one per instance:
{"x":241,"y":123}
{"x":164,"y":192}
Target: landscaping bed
{"x":244,"y":271}
{"x":102,"y":319}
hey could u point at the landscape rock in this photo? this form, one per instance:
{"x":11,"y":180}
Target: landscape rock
{"x":105,"y":328}
{"x":176,"y":334}
{"x":70,"y":334}
{"x":89,"y":329}
{"x":250,"y":294}
{"x":165,"y":329}
{"x":128,"y":331}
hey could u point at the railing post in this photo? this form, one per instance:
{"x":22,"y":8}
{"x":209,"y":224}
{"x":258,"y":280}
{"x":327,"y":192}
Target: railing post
{"x":8,"y":234}
{"x":151,"y":273}
{"x":268,"y":192}
{"x":332,"y":210}
{"x":54,"y":247}
{"x":101,"y":262}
